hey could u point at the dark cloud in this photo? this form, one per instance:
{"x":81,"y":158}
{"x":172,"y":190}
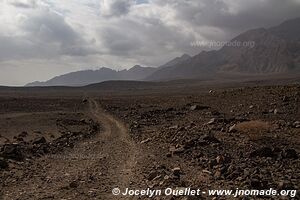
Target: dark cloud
{"x":23,"y":3}
{"x":46,"y":35}
{"x":49,"y":27}
{"x":115,"y":8}
{"x":233,"y":20}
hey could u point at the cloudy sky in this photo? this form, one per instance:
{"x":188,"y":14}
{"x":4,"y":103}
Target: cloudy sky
{"x":43,"y":38}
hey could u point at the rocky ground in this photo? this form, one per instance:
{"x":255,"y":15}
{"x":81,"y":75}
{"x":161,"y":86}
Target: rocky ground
{"x":234,"y":138}
{"x":246,"y":137}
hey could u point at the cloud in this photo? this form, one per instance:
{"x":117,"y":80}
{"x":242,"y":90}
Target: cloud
{"x":115,"y":8}
{"x":23,"y":3}
{"x":43,"y":33}
{"x":59,"y":36}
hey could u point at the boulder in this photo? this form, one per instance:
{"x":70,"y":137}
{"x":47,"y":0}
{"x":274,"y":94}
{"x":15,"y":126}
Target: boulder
{"x":262,"y":152}
{"x":211,"y":139}
{"x":176,"y":171}
{"x":290,"y":154}
{"x":13,"y":151}
{"x":39,"y":140}
{"x":3,"y":164}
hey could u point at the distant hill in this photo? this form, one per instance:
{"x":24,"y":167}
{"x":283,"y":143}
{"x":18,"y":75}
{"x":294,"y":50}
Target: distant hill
{"x":276,"y":50}
{"x":81,"y":78}
{"x":176,"y":61}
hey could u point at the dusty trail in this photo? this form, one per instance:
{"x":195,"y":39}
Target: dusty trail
{"x":88,"y":171}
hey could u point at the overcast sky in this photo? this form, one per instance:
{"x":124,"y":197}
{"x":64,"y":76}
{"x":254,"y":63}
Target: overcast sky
{"x":40,"y":39}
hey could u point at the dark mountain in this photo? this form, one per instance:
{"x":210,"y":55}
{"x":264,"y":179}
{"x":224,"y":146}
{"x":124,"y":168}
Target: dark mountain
{"x":81,"y":78}
{"x":275,"y":50}
{"x":176,"y":61}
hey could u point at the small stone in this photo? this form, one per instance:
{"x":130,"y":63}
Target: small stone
{"x":232,"y":129}
{"x":23,"y":134}
{"x":152,"y":175}
{"x":211,"y":139}
{"x":194,"y":107}
{"x":39,"y":140}
{"x":218,"y":174}
{"x":197,"y":107}
{"x":296,"y":124}
{"x":211,"y":121}
{"x":255,"y":184}
{"x":262,"y":152}
{"x":3,"y":164}
{"x":176,"y":171}
{"x":285,"y":99}
{"x":73,"y":184}
{"x":290,"y":154}
{"x":83,"y":121}
{"x":220,"y":159}
{"x":169,"y":154}
{"x":177,"y":150}
{"x":146,"y":140}
{"x":174,"y":127}
{"x":206,"y":171}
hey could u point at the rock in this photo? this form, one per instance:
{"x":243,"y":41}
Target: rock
{"x":84,"y":100}
{"x":220,"y":159}
{"x":262,"y":152}
{"x":169,"y":154}
{"x":84,"y":121}
{"x":23,"y":134}
{"x":146,"y":140}
{"x":232,"y":129}
{"x":218,"y":174}
{"x":197,"y":107}
{"x":290,"y":154}
{"x":19,"y":139}
{"x":276,"y":111}
{"x":296,"y":124}
{"x":211,"y":139}
{"x":3,"y":164}
{"x":170,"y":109}
{"x":211,"y":121}
{"x":176,"y":171}
{"x":285,"y":185}
{"x":250,"y":107}
{"x":13,"y":151}
{"x":255,"y":184}
{"x":215,"y":113}
{"x":174,"y":127}
{"x":3,"y":140}
{"x":39,"y":140}
{"x":73,"y":184}
{"x":177,"y":150}
{"x":285,"y":99}
{"x":152,"y":175}
{"x":206,"y":171}
{"x":194,"y":107}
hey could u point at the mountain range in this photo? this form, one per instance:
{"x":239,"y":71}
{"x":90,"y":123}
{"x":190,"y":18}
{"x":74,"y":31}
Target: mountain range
{"x":86,"y":77}
{"x":259,"y":52}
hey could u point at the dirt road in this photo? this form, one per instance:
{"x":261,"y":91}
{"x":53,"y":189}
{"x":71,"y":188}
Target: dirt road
{"x":90,"y":170}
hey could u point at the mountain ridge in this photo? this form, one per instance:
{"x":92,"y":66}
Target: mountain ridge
{"x":86,"y":77}
{"x":276,"y":50}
